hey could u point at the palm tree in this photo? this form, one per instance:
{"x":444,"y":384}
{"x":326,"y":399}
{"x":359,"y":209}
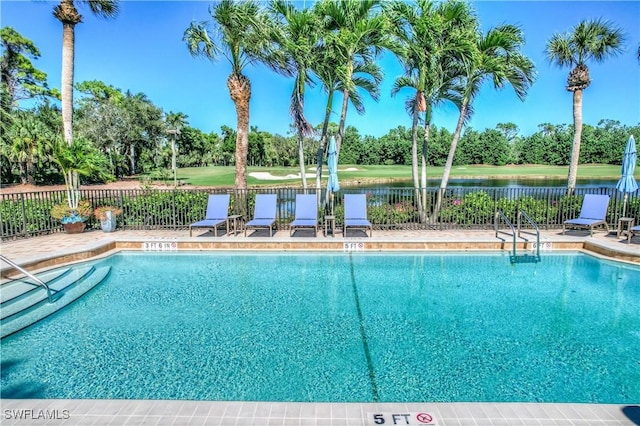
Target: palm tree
{"x":333,"y":74}
{"x":431,"y":37}
{"x":593,"y":40}
{"x":80,"y":158}
{"x":330,"y":73}
{"x":357,"y":32}
{"x":175,"y":121}
{"x":67,"y":13}
{"x":242,"y":35}
{"x":298,"y":39}
{"x":497,"y":57}
{"x":28,"y":142}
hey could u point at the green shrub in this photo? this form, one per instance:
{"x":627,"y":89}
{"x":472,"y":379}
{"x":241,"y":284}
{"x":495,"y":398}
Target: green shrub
{"x":396,"y":213}
{"x":473,"y":208}
{"x":633,"y":209}
{"x":158,"y":207}
{"x":32,"y":211}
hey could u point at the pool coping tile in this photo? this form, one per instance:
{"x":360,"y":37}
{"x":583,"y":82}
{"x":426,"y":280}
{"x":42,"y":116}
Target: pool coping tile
{"x":266,"y":413}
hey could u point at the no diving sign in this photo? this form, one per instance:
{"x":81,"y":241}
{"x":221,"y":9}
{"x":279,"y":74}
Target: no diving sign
{"x":416,"y":418}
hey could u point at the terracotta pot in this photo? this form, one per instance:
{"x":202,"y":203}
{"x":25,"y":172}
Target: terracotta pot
{"x":74,"y":228}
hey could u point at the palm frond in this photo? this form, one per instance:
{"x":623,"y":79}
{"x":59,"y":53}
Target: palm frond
{"x":198,"y":41}
{"x":104,"y":8}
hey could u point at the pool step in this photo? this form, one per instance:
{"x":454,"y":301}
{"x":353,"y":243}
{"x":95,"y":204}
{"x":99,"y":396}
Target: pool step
{"x":23,"y":310}
{"x":21,"y":287}
{"x":525,"y":258}
{"x":34,"y":294}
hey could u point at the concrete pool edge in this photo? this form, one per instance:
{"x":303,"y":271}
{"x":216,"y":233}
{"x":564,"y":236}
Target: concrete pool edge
{"x":161,"y":412}
{"x":99,"y":245}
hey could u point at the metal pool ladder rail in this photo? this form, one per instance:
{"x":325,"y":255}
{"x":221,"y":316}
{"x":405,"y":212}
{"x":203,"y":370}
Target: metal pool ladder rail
{"x":30,"y":275}
{"x":513,"y":257}
{"x":499,"y":215}
{"x":522,"y":214}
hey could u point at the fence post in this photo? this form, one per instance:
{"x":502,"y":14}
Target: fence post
{"x":121,"y":200}
{"x":546,"y":215}
{"x":173,"y":207}
{"x":24,"y":216}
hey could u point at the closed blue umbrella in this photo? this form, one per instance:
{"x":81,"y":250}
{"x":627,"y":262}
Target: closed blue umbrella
{"x":332,"y":163}
{"x":627,"y":182}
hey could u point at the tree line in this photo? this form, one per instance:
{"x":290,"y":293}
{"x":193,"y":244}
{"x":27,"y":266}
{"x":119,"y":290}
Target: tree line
{"x":131,"y":132}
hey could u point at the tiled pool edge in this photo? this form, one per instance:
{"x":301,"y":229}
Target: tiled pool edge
{"x":159,"y":412}
{"x":627,"y":255}
{"x":98,"y":248}
{"x":51,"y":260}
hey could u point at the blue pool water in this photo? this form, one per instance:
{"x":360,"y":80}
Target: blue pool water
{"x":340,"y":327}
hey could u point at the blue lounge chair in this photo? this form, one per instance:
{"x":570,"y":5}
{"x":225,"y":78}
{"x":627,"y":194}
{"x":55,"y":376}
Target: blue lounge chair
{"x":355,"y":213}
{"x":593,"y":213}
{"x":633,"y":231}
{"x":217,"y":213}
{"x":264,"y":215}
{"x":306,"y":215}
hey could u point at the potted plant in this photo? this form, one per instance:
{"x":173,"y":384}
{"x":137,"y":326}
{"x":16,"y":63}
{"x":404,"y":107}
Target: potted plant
{"x":79,"y":158}
{"x":107,"y":216}
{"x":72,"y":219}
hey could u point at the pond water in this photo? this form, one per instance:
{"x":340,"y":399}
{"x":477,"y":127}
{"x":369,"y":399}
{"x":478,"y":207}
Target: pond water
{"x":497,"y":183}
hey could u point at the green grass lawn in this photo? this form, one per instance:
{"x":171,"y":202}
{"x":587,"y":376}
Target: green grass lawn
{"x":224,"y":175}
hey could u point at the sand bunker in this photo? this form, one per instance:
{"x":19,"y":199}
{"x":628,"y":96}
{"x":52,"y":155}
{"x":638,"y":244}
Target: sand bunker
{"x":269,"y":176}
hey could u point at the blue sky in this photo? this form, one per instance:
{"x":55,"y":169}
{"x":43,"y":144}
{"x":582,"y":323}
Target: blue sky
{"x":142,"y":51}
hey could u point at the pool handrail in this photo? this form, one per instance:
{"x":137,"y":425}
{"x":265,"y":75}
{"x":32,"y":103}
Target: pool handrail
{"x":496,"y":222}
{"x":30,"y":275}
{"x":521,"y":214}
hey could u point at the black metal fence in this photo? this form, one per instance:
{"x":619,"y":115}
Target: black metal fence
{"x":24,"y":215}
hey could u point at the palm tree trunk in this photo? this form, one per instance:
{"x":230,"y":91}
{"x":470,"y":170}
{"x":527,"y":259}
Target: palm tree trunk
{"x":67,"y":182}
{"x":22,"y":167}
{"x":447,"y":167}
{"x":414,"y":160}
{"x":242,"y":147}
{"x":73,"y":189}
{"x":323,"y":142}
{"x":423,"y":178}
{"x":343,"y":119}
{"x":29,"y":169}
{"x":66,"y":13}
{"x":303,"y":127}
{"x":132,"y":158}
{"x":577,"y":137}
{"x":66,"y":89}
{"x":323,"y":138}
{"x":303,"y":174}
{"x":240,"y":91}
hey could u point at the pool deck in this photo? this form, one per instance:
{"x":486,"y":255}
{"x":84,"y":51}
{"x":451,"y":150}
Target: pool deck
{"x":56,"y":249}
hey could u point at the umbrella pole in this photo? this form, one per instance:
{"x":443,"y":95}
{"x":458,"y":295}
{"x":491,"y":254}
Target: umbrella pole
{"x":624,"y":205}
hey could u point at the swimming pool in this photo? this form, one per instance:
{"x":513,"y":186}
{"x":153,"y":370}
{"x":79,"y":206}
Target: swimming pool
{"x":340,"y":327}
